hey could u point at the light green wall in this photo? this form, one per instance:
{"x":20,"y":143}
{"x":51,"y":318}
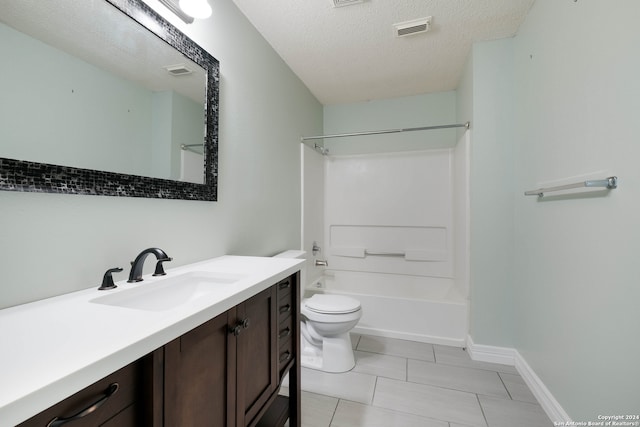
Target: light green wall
{"x":53,"y":104}
{"x":187,"y":128}
{"x":53,"y":244}
{"x":54,"y":116}
{"x":491,"y":193}
{"x":577,"y":288}
{"x":464,"y":96}
{"x":162,"y":133}
{"x":558,"y":279}
{"x":411,"y":111}
{"x":177,"y":120}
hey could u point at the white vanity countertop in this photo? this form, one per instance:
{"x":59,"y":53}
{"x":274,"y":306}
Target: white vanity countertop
{"x":55,"y":347}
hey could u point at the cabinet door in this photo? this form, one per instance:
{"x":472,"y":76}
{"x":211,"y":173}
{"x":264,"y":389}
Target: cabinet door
{"x":199,"y":372}
{"x":257,"y":369}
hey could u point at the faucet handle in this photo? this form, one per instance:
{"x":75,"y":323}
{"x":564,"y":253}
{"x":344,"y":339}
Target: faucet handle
{"x":159,"y":269}
{"x":107,"y":279}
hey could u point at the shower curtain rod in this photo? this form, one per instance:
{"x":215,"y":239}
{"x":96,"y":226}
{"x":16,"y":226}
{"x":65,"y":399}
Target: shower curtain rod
{"x":188,"y":147}
{"x":378,"y":132}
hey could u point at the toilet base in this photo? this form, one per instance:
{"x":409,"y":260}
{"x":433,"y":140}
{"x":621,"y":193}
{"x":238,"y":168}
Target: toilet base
{"x":336,"y":354}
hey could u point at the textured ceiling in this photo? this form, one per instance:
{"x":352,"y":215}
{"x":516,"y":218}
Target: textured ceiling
{"x":350,"y":54}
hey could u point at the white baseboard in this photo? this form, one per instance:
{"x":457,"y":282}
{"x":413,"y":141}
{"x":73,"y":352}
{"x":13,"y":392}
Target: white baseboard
{"x":549,"y":403}
{"x":491,"y":354}
{"x":511,"y":356}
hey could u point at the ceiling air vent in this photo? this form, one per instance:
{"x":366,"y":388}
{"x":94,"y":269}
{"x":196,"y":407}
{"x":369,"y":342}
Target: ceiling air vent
{"x":409,"y":28}
{"x":340,"y":3}
{"x":178,"y":70}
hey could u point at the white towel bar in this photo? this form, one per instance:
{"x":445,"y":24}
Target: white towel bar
{"x":610,"y":183}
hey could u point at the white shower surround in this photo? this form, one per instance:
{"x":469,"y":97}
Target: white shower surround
{"x":413,"y":202}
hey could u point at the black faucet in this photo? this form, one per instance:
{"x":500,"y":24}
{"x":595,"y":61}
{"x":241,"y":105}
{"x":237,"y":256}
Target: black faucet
{"x":107,"y":280}
{"x":136,"y":266}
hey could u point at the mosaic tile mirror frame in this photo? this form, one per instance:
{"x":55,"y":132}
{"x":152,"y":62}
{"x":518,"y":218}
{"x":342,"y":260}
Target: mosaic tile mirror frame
{"x":28,"y":176}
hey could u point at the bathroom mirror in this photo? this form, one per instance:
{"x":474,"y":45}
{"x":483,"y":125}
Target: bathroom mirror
{"x":105,"y":97}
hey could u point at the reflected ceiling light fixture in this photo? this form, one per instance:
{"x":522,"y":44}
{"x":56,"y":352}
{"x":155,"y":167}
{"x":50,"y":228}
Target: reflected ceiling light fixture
{"x":187,"y":10}
{"x":199,"y":9}
{"x":341,"y":3}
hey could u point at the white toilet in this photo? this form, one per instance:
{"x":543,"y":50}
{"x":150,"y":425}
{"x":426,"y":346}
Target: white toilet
{"x":325,"y":343}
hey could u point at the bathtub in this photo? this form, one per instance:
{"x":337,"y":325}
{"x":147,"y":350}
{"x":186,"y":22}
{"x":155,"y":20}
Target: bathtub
{"x":416,"y":308}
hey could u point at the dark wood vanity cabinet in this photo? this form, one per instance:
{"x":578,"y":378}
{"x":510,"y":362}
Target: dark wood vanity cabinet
{"x":227,"y":372}
{"x":224,"y":373}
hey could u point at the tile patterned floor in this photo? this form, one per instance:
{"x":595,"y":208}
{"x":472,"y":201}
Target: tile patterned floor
{"x":398,"y":383}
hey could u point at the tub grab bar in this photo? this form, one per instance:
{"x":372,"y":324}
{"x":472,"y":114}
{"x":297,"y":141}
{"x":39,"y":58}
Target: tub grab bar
{"x":609,"y":183}
{"x":409,"y":255}
{"x":384,"y":253}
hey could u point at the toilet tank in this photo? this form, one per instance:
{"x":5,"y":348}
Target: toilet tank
{"x":292,"y":253}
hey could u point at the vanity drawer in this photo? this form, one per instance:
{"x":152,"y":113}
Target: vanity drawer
{"x":284,"y":295}
{"x":284,"y":286}
{"x":285,"y":354}
{"x":285,"y":303}
{"x":285,"y":329}
{"x":285,"y":308}
{"x":112,"y":399}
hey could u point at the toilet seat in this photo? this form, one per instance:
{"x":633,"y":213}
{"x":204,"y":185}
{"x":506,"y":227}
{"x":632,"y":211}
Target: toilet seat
{"x":331,"y":304}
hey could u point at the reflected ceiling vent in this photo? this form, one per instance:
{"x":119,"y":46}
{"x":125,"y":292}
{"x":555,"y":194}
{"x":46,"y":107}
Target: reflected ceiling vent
{"x":178,"y":70}
{"x":340,"y":3}
{"x":409,"y":28}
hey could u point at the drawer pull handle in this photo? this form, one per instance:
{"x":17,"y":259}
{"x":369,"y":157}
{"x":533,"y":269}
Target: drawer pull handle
{"x":284,"y":285}
{"x":285,"y":308}
{"x":285,"y":356}
{"x":110,"y":391}
{"x":285,"y":333}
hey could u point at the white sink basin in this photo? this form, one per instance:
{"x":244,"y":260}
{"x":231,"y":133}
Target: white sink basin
{"x":170,"y":292}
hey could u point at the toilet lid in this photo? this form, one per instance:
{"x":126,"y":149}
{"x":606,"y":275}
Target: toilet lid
{"x":326,"y":303}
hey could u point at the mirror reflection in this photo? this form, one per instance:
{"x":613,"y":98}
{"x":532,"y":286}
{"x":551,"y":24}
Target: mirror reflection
{"x":87,"y":87}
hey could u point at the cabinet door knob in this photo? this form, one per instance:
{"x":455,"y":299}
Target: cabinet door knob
{"x":245,"y":323}
{"x":110,"y":391}
{"x":240,"y":326}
